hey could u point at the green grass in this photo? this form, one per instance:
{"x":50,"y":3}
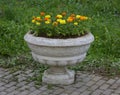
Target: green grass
{"x":15,"y":21}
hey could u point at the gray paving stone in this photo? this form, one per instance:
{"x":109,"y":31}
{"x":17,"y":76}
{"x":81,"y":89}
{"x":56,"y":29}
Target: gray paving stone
{"x":10,"y":84}
{"x":25,"y":87}
{"x":43,"y":88}
{"x":17,"y":73}
{"x":13,"y":93}
{"x":90,"y":83}
{"x":49,"y":91}
{"x":1,"y":75}
{"x":104,"y":86}
{"x":21,"y":84}
{"x":28,"y":72}
{"x":108,"y":92}
{"x":97,"y":92}
{"x":45,"y":93}
{"x":75,"y":93}
{"x":2,"y":88}
{"x":2,"y":83}
{"x":83,"y":88}
{"x":3,"y":93}
{"x":114,"y":86}
{"x":86,"y":93}
{"x":5,"y":80}
{"x":78,"y":85}
{"x":58,"y":91}
{"x":21,"y":79}
{"x":94,"y":87}
{"x":117,"y":91}
{"x":8,"y":76}
{"x":64,"y":94}
{"x":86,"y":79}
{"x":100,"y":82}
{"x":96,"y":78}
{"x":32,"y":89}
{"x":31,"y":84}
{"x":70,"y":88}
{"x":69,"y":91}
{"x":114,"y":94}
{"x":10,"y":89}
{"x":118,"y":81}
{"x":111,"y":81}
{"x":6,"y":73}
{"x":24,"y":93}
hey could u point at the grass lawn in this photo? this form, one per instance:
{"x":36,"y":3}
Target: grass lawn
{"x":15,"y":20}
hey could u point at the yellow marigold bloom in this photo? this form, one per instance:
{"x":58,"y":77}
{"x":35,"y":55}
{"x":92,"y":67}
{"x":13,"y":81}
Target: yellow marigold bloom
{"x":83,"y":18}
{"x":38,"y":23}
{"x":59,"y":16}
{"x":47,"y":16}
{"x":78,"y":16}
{"x":75,"y":23}
{"x":47,"y":22}
{"x":70,"y":20}
{"x":46,"y":19}
{"x":58,"y":20}
{"x":33,"y":21}
{"x":38,"y":18}
{"x":62,"y":22}
{"x":55,"y":23}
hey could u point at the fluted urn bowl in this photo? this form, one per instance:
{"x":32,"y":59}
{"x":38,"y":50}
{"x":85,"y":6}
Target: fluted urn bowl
{"x":58,"y":54}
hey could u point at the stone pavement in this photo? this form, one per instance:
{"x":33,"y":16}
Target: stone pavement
{"x":86,"y":84}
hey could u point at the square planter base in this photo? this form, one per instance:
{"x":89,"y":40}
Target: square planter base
{"x":65,"y":78}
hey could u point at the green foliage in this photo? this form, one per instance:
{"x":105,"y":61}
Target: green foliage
{"x":15,"y":21}
{"x":104,"y":66}
{"x":11,"y":38}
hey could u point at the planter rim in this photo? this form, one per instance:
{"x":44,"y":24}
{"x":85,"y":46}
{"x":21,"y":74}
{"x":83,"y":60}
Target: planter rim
{"x":42,"y":41}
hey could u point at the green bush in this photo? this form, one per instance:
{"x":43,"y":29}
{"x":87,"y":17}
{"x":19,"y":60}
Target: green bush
{"x":11,"y":38}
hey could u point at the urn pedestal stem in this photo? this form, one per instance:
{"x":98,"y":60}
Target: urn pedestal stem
{"x":58,"y":75}
{"x":57,"y":70}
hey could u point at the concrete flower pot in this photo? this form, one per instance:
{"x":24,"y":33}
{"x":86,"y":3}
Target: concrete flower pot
{"x":59,"y":53}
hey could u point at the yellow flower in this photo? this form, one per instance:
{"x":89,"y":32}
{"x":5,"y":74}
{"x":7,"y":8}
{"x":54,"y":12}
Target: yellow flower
{"x":46,"y":19}
{"x":78,"y":16}
{"x":70,"y":19}
{"x":62,"y":22}
{"x":59,"y":16}
{"x":47,"y":22}
{"x":58,"y":20}
{"x":75,"y":23}
{"x":83,"y":18}
{"x":38,"y":23}
{"x":33,"y":21}
{"x":38,"y":18}
{"x":47,"y":16}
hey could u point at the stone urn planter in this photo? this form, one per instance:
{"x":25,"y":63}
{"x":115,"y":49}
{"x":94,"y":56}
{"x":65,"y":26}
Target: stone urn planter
{"x":58,"y":54}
